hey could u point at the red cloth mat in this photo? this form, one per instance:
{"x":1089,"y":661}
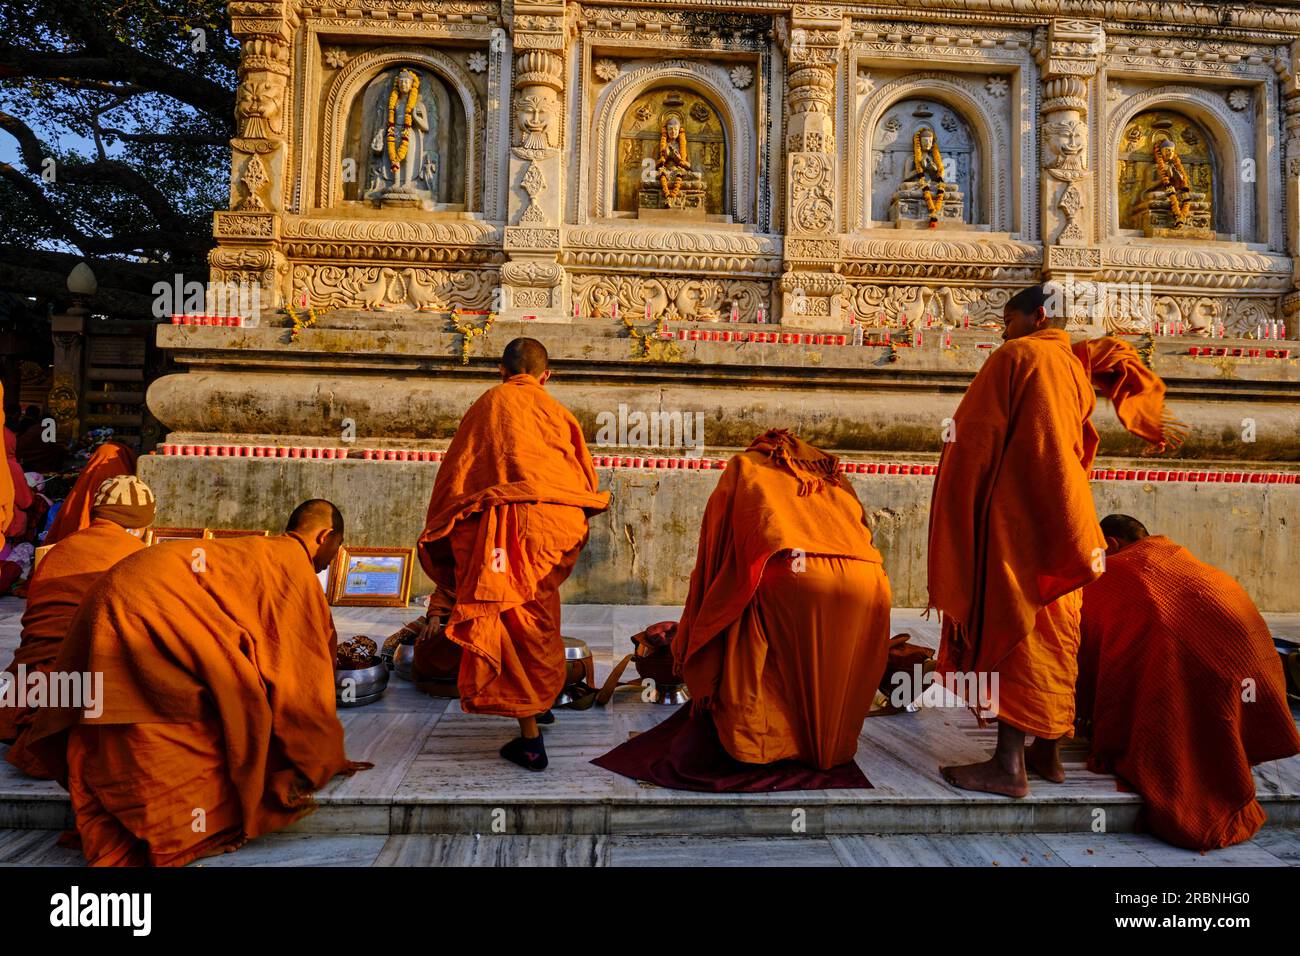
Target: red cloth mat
{"x":683,"y":753}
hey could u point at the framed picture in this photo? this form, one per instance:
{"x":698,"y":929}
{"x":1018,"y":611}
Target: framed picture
{"x":371,"y":577}
{"x":159,"y":535}
{"x":234,"y":533}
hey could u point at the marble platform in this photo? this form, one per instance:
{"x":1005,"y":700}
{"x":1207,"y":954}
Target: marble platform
{"x":438,"y":783}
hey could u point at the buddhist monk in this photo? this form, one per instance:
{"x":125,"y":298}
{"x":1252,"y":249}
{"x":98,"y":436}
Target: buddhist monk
{"x":1181,"y":690}
{"x":6,"y":480}
{"x":216,"y":718}
{"x":107,"y":461}
{"x":785,"y":633}
{"x":1013,"y":531}
{"x":506,"y":523}
{"x":122,"y":508}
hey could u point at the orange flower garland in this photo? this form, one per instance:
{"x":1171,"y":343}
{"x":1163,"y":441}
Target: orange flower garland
{"x":396,"y":154}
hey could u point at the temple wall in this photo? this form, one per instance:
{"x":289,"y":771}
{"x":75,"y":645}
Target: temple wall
{"x":642,"y":550}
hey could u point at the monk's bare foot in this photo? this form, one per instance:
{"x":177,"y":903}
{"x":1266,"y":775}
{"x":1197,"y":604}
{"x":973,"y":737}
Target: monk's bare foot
{"x":1043,"y":757}
{"x":988,"y":777}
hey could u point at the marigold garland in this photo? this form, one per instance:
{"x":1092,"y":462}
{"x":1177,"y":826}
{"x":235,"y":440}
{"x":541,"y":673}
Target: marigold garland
{"x":396,"y":154}
{"x":933,"y":199}
{"x":299,"y":323}
{"x":469,"y":332}
{"x":1177,"y":207}
{"x":675,"y":189}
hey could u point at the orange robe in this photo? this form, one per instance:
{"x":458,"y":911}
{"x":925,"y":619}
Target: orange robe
{"x":785,"y":631}
{"x":506,"y":523}
{"x":107,"y":461}
{"x":1013,"y":530}
{"x":218,"y":718}
{"x":56,"y":589}
{"x":1171,"y":646}
{"x":6,"y":481}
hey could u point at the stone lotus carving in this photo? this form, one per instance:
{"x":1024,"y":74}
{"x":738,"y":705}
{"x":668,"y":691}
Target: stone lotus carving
{"x":335,"y":57}
{"x":741,"y":76}
{"x":997,"y":86}
{"x":477,"y":62}
{"x":607,"y":70}
{"x":1239,"y":99}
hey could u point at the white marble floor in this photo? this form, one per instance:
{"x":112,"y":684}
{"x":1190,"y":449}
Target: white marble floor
{"x":440,"y":794}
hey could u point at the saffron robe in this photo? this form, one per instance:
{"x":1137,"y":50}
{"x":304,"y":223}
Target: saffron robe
{"x":107,"y":461}
{"x":507,"y":520}
{"x":218,"y":718}
{"x":1184,"y":692}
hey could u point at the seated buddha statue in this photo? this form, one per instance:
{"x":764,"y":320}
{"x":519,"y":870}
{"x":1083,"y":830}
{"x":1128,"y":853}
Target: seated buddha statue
{"x":926,"y":193}
{"x":1171,"y":206}
{"x":677,"y":184}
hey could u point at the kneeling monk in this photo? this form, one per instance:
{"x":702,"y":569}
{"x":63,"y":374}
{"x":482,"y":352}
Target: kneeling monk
{"x":507,"y":521}
{"x":218,"y":718}
{"x":56,"y":589}
{"x":785,"y":633}
{"x":1183,"y":688}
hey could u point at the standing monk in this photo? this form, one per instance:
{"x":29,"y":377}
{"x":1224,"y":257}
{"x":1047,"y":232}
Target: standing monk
{"x":506,"y":523}
{"x":1181,"y":688}
{"x":217,"y":719}
{"x":58,"y":586}
{"x":1013,"y":530}
{"x":6,"y":480}
{"x":784,"y":636}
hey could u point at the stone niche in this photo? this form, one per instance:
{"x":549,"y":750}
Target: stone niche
{"x":405,"y":137}
{"x":920,"y":127}
{"x":672,"y":156}
{"x":1168,"y":175}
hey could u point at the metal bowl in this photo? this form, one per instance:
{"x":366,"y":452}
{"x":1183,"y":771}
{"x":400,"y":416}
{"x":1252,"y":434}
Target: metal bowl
{"x":403,"y":658}
{"x":359,"y":686}
{"x":665,"y":686}
{"x":576,"y":656}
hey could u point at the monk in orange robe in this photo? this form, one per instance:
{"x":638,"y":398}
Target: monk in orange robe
{"x":216,"y":720}
{"x":107,"y":461}
{"x":6,"y":480}
{"x":58,"y":586}
{"x":785,"y":633}
{"x":1013,"y":530}
{"x":1181,"y":690}
{"x":506,"y":523}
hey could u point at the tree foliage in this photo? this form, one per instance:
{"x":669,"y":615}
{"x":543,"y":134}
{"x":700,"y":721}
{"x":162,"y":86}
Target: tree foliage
{"x":118,"y":115}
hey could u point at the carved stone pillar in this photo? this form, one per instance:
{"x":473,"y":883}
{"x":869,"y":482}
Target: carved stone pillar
{"x":1069,"y":59}
{"x":532,"y":279}
{"x":811,"y":286}
{"x":68,"y":331}
{"x":1291,"y":192}
{"x":248,"y":253}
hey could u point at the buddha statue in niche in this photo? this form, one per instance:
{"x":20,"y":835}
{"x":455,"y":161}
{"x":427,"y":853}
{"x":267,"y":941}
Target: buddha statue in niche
{"x":676,"y":183}
{"x":403,"y":170}
{"x":1171,"y":206}
{"x":926,"y":194}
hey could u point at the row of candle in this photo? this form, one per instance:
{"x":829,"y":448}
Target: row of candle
{"x":1239,"y":352}
{"x":230,"y":321}
{"x":707,"y":464}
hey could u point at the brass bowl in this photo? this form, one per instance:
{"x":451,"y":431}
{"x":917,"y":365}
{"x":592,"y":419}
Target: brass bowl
{"x":358,"y":686}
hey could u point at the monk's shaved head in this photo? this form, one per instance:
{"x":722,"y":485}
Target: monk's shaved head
{"x":1122,"y":528}
{"x":319,"y":525}
{"x":525,"y":356}
{"x":315,"y":514}
{"x":1033,"y":310}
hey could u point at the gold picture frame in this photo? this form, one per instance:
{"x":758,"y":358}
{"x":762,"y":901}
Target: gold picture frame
{"x":385,"y":582}
{"x":158,"y":535}
{"x":235,"y":533}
